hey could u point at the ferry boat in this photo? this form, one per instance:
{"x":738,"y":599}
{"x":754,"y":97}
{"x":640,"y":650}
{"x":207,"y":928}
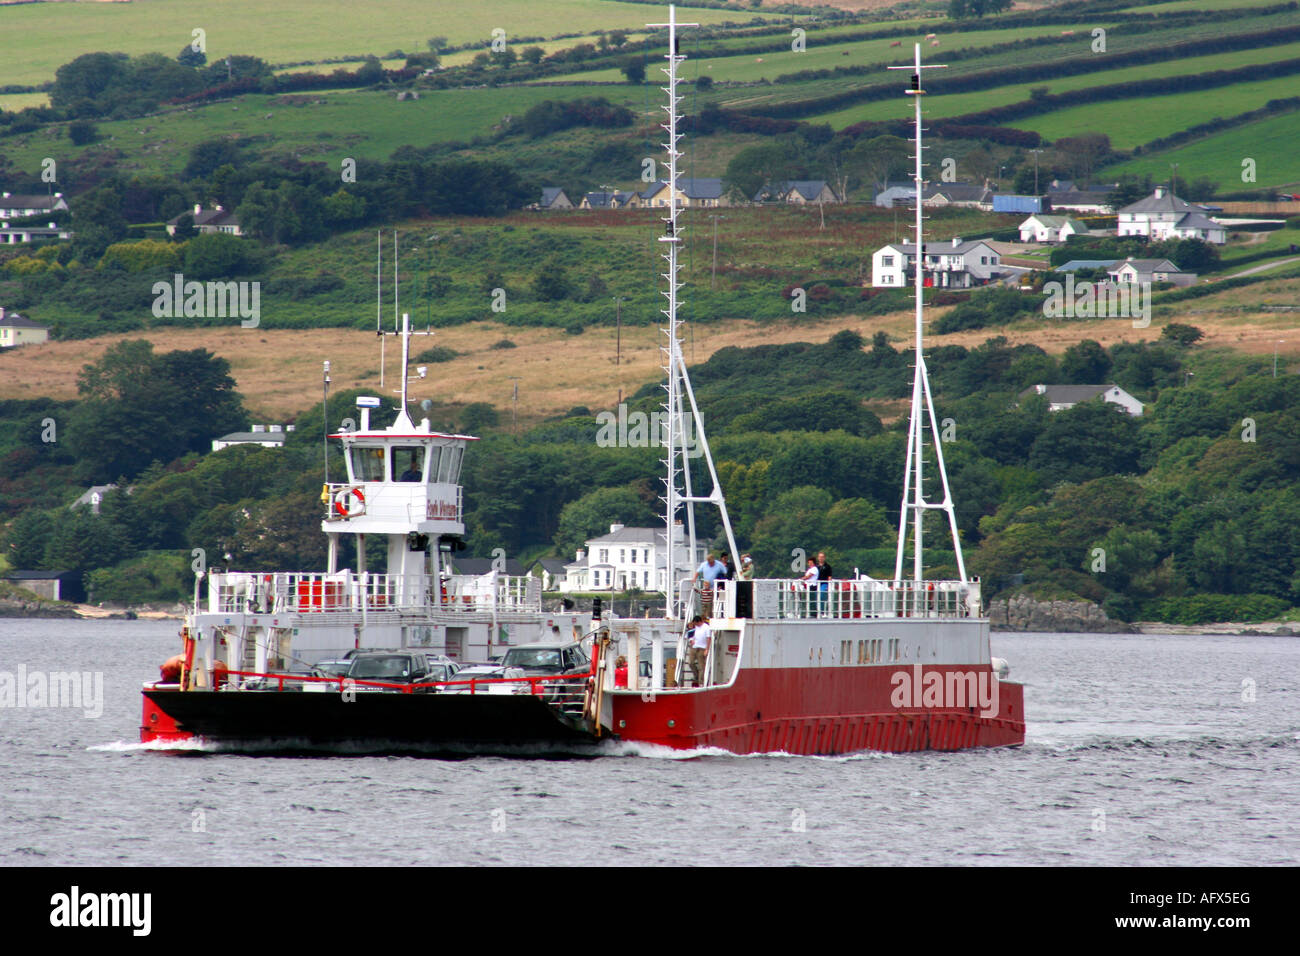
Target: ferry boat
{"x":857,"y":664}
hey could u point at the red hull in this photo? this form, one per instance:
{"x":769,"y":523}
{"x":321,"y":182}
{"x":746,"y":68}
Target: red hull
{"x":157,"y":724}
{"x":816,"y":711}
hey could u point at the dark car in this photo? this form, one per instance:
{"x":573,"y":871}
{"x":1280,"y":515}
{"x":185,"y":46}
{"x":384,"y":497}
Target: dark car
{"x":399,"y":667}
{"x":548,"y":658}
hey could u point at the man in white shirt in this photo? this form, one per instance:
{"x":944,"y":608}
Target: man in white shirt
{"x":699,"y":641}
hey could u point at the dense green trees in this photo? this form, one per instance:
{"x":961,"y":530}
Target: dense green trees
{"x":138,"y":407}
{"x":1185,"y":513}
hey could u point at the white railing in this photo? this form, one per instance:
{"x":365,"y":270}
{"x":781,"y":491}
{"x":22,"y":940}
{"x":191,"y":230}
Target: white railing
{"x":836,"y":598}
{"x":346,"y":592}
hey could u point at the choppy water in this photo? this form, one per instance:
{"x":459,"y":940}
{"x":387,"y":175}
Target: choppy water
{"x":1140,"y":750}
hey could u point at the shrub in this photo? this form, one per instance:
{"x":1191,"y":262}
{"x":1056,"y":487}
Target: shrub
{"x":503,"y":344}
{"x":439,"y":353}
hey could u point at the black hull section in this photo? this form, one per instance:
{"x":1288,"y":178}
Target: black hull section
{"x":373,"y":722}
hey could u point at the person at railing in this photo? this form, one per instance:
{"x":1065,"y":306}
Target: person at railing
{"x":699,"y":640}
{"x":711,"y":570}
{"x":824,"y":575}
{"x":809,"y":581}
{"x":620,"y":671}
{"x":746,"y":568}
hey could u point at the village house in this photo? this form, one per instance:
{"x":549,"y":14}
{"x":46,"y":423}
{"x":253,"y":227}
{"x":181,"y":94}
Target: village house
{"x":691,"y":194}
{"x":798,"y":192}
{"x":625,"y":559}
{"x":1061,"y":397}
{"x":957,"y":195}
{"x":16,"y":330}
{"x":952,"y":264}
{"x":217,"y":219}
{"x":1150,"y":270}
{"x":24,"y":206}
{"x":551,"y":571}
{"x":553,"y":197}
{"x":1162,"y":215}
{"x":1087,"y":201}
{"x":1043,"y":228}
{"x":610,"y":200}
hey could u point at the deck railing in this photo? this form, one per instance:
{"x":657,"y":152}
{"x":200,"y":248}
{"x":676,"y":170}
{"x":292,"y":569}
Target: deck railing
{"x":346,"y":592}
{"x":837,"y":598}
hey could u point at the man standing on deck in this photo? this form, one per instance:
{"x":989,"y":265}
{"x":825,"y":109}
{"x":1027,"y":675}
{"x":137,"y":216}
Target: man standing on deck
{"x":699,"y":641}
{"x":824,"y":576}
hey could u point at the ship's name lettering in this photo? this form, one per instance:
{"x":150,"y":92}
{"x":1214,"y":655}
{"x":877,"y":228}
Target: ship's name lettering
{"x":441,"y":509}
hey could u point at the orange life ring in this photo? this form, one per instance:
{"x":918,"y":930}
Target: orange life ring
{"x":350,"y":503}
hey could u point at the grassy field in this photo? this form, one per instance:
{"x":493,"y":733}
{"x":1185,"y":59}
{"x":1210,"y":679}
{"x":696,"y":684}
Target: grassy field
{"x":278,"y":371}
{"x":1130,"y":123}
{"x":960,"y":103}
{"x":750,"y":68}
{"x":54,"y":33}
{"x":316,"y":126}
{"x":1270,"y":142}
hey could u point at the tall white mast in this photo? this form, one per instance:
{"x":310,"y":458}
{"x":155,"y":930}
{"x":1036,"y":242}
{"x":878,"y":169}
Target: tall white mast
{"x":678,"y":386}
{"x":922,"y":400}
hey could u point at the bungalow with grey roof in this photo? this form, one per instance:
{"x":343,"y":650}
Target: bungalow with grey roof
{"x":217,"y":219}
{"x":16,"y":330}
{"x":1061,"y":397}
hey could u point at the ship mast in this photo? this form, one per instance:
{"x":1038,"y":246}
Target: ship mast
{"x":680,"y":395}
{"x":922,"y":399}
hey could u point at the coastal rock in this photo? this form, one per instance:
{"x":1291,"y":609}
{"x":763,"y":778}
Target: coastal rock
{"x":19,"y":607}
{"x":1023,"y":613}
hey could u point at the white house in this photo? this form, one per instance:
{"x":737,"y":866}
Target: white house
{"x":1150,"y":270}
{"x":268,"y":436}
{"x":952,"y":264}
{"x":1042,"y":228}
{"x":209,"y":220}
{"x":1060,"y":397}
{"x":627,"y":558}
{"x":22,"y":206}
{"x":15,"y":330}
{"x":1162,"y":215}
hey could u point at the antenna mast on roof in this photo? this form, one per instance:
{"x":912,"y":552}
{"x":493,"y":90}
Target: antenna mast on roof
{"x":922,"y":400}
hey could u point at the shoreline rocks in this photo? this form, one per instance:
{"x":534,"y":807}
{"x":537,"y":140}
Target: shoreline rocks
{"x":1023,"y":613}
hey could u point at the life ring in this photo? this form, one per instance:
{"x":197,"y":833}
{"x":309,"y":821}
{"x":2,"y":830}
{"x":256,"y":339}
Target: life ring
{"x":350,"y":502}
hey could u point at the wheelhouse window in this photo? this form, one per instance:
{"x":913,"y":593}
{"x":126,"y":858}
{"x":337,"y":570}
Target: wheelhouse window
{"x":448,"y":471}
{"x":408,"y":463}
{"x":367,"y":463}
